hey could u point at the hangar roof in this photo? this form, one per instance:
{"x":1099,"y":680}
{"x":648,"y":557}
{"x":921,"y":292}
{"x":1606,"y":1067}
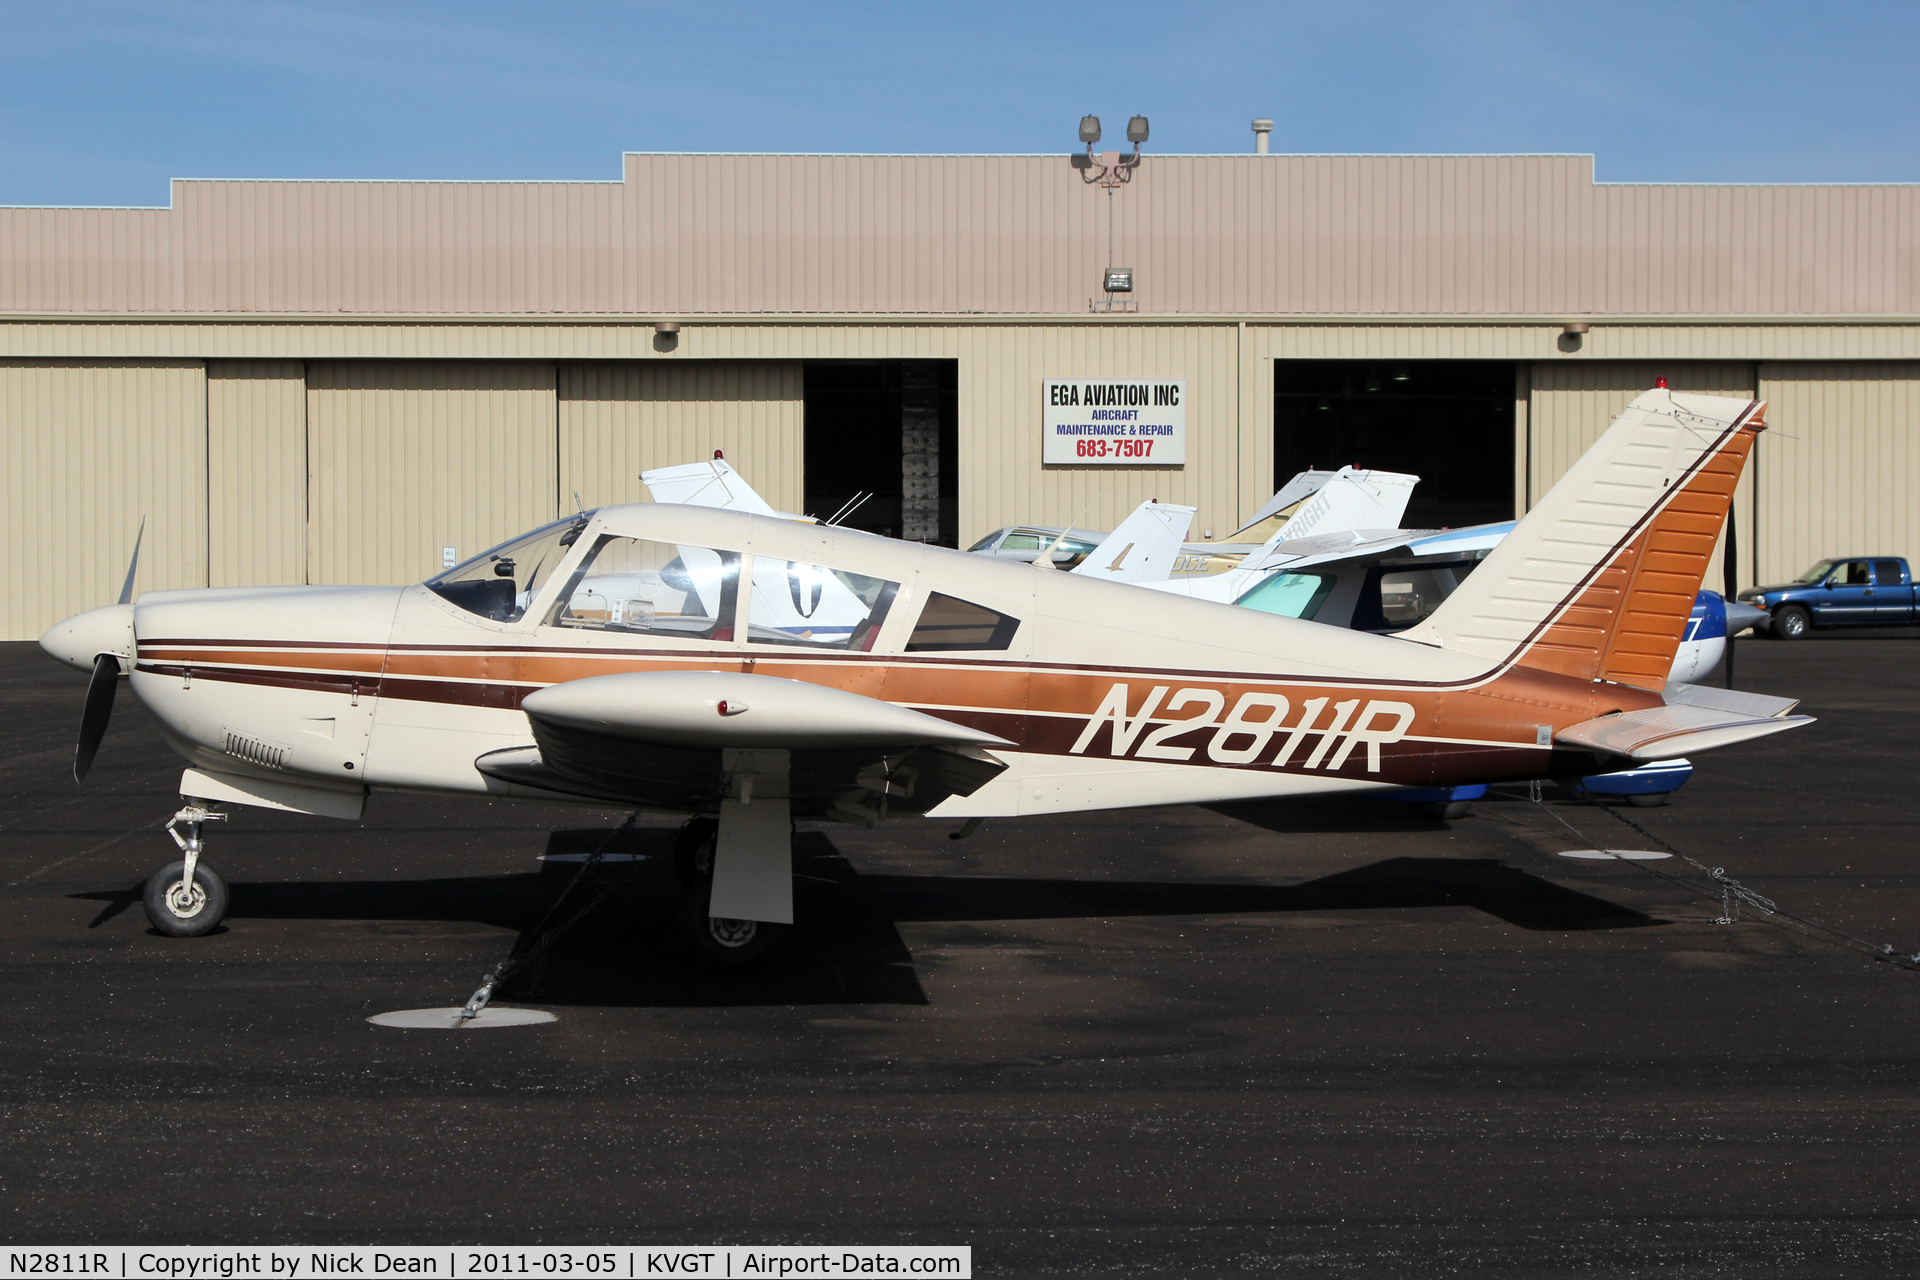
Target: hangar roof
{"x":1276,"y":235}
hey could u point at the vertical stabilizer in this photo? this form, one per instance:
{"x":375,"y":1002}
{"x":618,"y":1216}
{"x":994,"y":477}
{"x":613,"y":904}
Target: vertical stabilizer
{"x":1597,"y":580}
{"x":1143,"y":548}
{"x":1352,"y":500}
{"x":705,"y":484}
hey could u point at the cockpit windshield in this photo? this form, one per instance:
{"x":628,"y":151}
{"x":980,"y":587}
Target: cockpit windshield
{"x":1818,"y":573}
{"x":501,"y":583}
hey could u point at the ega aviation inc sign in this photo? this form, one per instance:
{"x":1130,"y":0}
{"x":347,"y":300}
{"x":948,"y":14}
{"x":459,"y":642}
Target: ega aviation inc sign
{"x":1114,"y":422}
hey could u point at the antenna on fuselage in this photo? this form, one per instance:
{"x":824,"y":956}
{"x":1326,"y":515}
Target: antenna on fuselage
{"x":1045,"y":559}
{"x":851,"y":505}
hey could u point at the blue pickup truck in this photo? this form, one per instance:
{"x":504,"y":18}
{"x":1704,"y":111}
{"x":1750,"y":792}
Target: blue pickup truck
{"x":1847,"y":591}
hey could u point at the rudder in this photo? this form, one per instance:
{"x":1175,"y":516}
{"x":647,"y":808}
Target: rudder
{"x":1597,"y":580}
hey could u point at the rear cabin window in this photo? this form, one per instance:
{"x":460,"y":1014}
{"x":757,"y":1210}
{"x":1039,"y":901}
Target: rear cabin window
{"x":1887,"y":573}
{"x":814,"y":607}
{"x":948,"y":623}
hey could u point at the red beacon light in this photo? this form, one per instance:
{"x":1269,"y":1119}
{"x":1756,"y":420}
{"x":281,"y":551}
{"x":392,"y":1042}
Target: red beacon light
{"x":1660,"y":383}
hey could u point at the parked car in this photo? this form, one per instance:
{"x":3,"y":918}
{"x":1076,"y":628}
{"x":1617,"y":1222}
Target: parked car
{"x":1026,"y":542}
{"x":1849,"y":591}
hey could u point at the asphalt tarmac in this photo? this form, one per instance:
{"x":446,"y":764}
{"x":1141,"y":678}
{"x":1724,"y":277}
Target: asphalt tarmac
{"x":1323,"y":1038}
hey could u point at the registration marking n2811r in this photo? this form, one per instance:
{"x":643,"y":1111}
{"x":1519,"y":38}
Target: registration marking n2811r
{"x":1379,"y":722}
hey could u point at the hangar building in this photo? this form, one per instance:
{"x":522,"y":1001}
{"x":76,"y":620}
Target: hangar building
{"x":339,"y":381}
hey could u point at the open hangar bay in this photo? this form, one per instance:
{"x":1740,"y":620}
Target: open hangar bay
{"x":1316,"y":1038}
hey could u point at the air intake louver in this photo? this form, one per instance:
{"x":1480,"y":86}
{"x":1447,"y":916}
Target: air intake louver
{"x":254,"y":751}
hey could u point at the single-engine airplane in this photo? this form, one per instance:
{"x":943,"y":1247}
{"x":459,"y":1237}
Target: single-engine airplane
{"x":747,"y":670}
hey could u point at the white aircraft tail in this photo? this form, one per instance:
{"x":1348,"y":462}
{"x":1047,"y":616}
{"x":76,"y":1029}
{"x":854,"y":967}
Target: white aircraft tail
{"x":1351,"y":500}
{"x":1598,"y":579}
{"x":1143,"y":548}
{"x":705,"y":484}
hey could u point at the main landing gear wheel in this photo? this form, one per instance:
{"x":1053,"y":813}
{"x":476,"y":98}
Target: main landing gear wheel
{"x":725,"y":944}
{"x":180,"y":910}
{"x":693,"y":848}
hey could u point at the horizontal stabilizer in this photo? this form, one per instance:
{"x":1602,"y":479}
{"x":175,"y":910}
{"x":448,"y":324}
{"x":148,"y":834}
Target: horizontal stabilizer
{"x":1661,"y":733}
{"x":1746,"y":704}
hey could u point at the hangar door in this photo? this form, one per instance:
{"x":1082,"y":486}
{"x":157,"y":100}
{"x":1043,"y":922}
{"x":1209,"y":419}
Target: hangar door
{"x":620,"y":418}
{"x":1450,"y":422}
{"x":406,"y":457}
{"x":91,"y":447}
{"x":883,"y":435}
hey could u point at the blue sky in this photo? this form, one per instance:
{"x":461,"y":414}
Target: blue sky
{"x":101,"y":103}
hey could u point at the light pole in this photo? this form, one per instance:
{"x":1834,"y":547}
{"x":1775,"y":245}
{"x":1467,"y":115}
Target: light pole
{"x":1111,"y":170}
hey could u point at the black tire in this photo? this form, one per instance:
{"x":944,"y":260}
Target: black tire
{"x":693,"y":848}
{"x":1648,"y":799}
{"x":166,"y":915}
{"x":1790,"y":622}
{"x":725,"y":944}
{"x":1443,"y":809}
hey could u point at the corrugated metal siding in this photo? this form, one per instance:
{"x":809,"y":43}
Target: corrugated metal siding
{"x":409,"y":456}
{"x":1001,"y":479}
{"x":90,"y":450}
{"x":1273,"y":235}
{"x":1839,"y":470}
{"x":921,"y":337}
{"x":617,"y":420}
{"x":1572,"y":404}
{"x":256,"y":472}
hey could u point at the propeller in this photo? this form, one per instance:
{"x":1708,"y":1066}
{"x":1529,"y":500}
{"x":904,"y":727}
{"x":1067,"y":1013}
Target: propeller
{"x":126,"y":588}
{"x":96,"y":713}
{"x":105,"y":682}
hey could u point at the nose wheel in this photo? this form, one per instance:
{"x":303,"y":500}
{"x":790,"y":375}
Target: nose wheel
{"x":186,"y":899}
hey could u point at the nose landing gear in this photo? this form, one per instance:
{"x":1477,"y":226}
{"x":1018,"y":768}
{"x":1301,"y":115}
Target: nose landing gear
{"x":186,"y":899}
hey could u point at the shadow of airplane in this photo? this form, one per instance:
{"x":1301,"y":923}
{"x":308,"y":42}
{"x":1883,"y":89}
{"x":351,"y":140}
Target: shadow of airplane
{"x":846,"y":947}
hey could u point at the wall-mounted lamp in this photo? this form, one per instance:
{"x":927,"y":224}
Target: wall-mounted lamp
{"x":1573,"y":334}
{"x":666,"y":335}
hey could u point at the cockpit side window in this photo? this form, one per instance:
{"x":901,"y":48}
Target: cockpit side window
{"x":947,"y":624}
{"x":816,"y":607}
{"x":500,"y":584}
{"x":633,"y":585}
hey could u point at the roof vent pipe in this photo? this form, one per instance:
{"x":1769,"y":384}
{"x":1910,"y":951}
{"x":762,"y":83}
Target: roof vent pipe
{"x":1261,"y":128}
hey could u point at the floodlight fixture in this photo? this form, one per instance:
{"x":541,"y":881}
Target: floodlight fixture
{"x":1112,"y":169}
